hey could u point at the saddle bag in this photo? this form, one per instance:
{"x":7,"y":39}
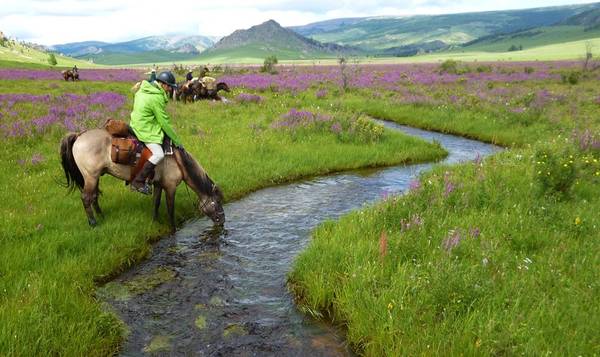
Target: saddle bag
{"x":117,"y":128}
{"x":123,"y":151}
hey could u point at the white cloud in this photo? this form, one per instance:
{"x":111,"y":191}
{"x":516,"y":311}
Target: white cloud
{"x":60,"y":21}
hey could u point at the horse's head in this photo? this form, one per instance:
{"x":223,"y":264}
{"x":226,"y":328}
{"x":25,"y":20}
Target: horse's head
{"x":223,"y":86}
{"x":212,"y":206}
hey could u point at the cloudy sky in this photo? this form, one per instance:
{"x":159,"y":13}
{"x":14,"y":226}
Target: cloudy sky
{"x":51,"y":22}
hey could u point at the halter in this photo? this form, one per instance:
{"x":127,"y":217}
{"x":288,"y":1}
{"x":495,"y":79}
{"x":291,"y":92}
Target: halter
{"x":205,"y":203}
{"x":208,"y":198}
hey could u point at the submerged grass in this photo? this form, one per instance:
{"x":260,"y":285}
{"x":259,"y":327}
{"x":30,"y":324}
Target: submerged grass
{"x":51,"y":261}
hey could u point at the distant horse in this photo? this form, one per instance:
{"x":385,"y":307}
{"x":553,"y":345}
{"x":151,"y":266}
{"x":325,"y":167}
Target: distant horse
{"x":213,"y":93}
{"x":74,"y":76}
{"x":87,"y":156}
{"x":208,"y":88}
{"x":186,"y":91}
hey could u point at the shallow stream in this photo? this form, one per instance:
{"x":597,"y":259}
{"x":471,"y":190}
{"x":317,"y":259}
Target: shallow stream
{"x":211,"y":292}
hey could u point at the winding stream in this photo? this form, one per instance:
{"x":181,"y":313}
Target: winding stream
{"x":214,"y":292}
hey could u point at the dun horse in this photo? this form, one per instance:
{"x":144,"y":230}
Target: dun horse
{"x":70,"y":74}
{"x":87,"y":156}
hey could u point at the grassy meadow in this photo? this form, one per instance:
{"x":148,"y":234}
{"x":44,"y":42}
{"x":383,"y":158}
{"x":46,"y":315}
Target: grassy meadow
{"x":542,"y":47}
{"x":25,"y":55}
{"x":51,"y":261}
{"x":496,"y":257}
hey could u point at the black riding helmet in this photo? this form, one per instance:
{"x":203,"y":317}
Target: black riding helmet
{"x":167,"y":78}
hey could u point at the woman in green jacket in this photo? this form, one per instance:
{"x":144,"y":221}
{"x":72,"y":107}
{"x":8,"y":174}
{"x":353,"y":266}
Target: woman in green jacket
{"x":150,"y":123}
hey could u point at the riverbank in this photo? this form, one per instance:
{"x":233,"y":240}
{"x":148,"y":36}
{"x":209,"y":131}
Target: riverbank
{"x":492,"y":257}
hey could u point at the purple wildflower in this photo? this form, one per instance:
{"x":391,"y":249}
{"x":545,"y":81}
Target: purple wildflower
{"x":336,"y":128}
{"x":452,"y":240}
{"x":414,"y":185}
{"x":249,"y":98}
{"x":449,"y":186}
{"x":37,"y":159}
{"x":474,"y":232}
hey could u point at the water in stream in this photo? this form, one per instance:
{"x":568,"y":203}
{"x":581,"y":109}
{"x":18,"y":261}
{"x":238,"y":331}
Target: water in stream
{"x":212,"y":292}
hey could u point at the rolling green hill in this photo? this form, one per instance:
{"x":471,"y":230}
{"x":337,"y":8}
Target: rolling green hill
{"x":573,"y":50}
{"x":16,"y":52}
{"x":377,"y":34}
{"x":118,"y":58}
{"x":532,"y":38}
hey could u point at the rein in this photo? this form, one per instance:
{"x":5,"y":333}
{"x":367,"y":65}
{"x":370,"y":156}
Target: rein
{"x":187,"y":189}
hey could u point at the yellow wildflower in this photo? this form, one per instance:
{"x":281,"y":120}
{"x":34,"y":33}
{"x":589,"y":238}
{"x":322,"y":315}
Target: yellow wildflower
{"x":577,"y":221}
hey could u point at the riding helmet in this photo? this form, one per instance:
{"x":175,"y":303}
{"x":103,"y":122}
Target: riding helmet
{"x":167,"y":78}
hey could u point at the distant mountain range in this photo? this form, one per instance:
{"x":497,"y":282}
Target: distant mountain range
{"x":146,"y":50}
{"x":270,"y":38}
{"x":583,"y":26}
{"x":403,"y":35}
{"x":492,"y":31}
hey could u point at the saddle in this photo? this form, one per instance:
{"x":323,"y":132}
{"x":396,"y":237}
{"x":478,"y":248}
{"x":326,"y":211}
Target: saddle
{"x":209,"y":82}
{"x":126,"y":149}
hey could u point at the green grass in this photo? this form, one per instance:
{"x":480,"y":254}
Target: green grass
{"x":553,"y":52}
{"x":25,"y":54}
{"x":527,"y":284}
{"x":51,"y":261}
{"x":108,"y":58}
{"x":522,"y":274}
{"x":453,"y":29}
{"x":572,"y":50}
{"x":256,"y":54}
{"x":536,"y":37}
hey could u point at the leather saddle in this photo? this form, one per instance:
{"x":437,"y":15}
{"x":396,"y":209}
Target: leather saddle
{"x":126,"y":149}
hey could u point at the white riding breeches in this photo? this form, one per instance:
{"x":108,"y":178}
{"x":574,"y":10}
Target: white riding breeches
{"x":157,"y":153}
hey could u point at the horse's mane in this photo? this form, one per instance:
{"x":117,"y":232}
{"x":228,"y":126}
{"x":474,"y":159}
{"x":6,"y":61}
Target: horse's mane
{"x":198,"y":176}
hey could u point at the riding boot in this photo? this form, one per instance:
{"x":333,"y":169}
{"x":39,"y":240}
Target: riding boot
{"x":139,"y":183}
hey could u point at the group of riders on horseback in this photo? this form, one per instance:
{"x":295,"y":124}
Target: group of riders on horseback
{"x":193,"y":88}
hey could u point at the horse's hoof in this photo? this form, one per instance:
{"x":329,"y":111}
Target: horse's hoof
{"x":92,"y":222}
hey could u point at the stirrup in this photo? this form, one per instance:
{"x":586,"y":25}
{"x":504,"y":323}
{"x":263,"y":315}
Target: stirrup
{"x":146,"y":189}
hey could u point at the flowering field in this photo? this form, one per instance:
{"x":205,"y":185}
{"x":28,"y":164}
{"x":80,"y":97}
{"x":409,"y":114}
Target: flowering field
{"x":111,"y":75}
{"x":396,"y":76}
{"x":69,"y":111}
{"x":495,"y":257}
{"x":50,"y":259}
{"x":499,"y":256}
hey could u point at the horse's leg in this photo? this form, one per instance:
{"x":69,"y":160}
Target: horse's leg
{"x":157,"y":196}
{"x":96,"y":204}
{"x":88,"y":196}
{"x":170,"y":195}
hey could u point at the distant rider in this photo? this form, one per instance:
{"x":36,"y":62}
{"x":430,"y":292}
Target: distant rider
{"x":203,"y":72}
{"x":150,"y":123}
{"x":152,"y":76}
{"x":189,"y":76}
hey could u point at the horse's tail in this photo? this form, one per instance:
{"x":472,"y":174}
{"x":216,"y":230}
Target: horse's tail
{"x":72,"y":173}
{"x":196,"y":175}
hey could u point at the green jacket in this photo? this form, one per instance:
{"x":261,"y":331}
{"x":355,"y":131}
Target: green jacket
{"x":149,"y":120}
